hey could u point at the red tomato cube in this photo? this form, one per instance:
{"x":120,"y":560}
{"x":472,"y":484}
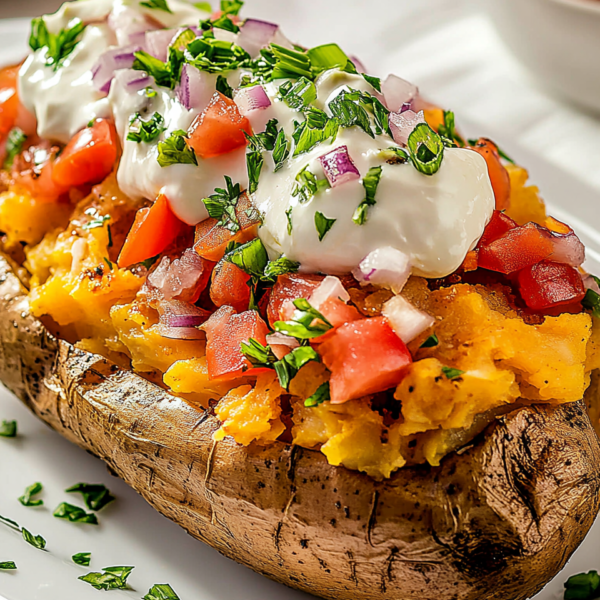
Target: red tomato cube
{"x":550,"y":284}
{"x":225,"y":332}
{"x":229,"y":286}
{"x":364,"y":357}
{"x":499,"y":225}
{"x":288,"y":288}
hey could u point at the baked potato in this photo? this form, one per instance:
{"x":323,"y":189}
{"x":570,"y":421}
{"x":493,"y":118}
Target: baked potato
{"x":496,"y":521}
{"x":358,"y":366}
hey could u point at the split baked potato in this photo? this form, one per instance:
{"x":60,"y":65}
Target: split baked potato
{"x":497,"y":520}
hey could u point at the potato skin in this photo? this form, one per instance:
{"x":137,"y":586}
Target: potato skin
{"x":496,"y":522}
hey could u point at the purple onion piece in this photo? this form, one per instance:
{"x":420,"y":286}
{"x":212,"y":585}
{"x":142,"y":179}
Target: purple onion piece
{"x":403,"y":124}
{"x":251,"y":99}
{"x":339,"y":167}
{"x":255,"y":34}
{"x":110,"y":61}
{"x":184,"y":320}
{"x":406,"y":106}
{"x":190,"y":89}
{"x":397,"y":92}
{"x":180,"y":333}
{"x":157,"y":42}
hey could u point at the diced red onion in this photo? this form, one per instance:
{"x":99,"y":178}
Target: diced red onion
{"x":407,"y":321}
{"x":129,"y":25}
{"x":110,"y":61}
{"x":132,"y":81}
{"x":282,"y":344}
{"x":252,"y":98}
{"x":339,"y":167}
{"x":568,"y":249}
{"x":330,"y":287}
{"x":255,"y":35}
{"x":194,"y":91}
{"x":406,"y":106}
{"x":360,"y":67}
{"x":397,"y":91}
{"x":157,"y":42}
{"x":180,"y":333}
{"x":181,"y":279}
{"x":176,"y":313}
{"x":403,"y":124}
{"x":590,"y":283}
{"x":386,"y":267}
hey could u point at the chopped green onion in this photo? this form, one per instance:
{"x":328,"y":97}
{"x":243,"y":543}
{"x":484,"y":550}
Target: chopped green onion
{"x":37,"y":541}
{"x":426,"y":149}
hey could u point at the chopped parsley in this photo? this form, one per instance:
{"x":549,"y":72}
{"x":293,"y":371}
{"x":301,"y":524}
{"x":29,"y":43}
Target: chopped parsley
{"x":290,"y":225}
{"x":583,"y":586}
{"x":370,"y":183}
{"x":58,"y":46}
{"x":8,"y":429}
{"x":323,"y":394}
{"x":216,"y":56}
{"x":95,"y":495}
{"x":231,"y":7}
{"x":281,"y":150}
{"x":374,"y":82}
{"x":591,"y":300}
{"x":112,"y":578}
{"x":317,"y":128}
{"x":280,"y":266}
{"x":166,"y":74}
{"x":257,"y":354}
{"x":222,"y":204}
{"x":272,"y":140}
{"x":14,"y":145}
{"x":451,"y":373}
{"x":157,"y":5}
{"x":8,"y":565}
{"x":175,"y":151}
{"x":426,"y":149}
{"x":307,"y":322}
{"x":354,"y":108}
{"x":448,"y":129}
{"x":323,"y":224}
{"x":82,"y":558}
{"x":252,"y":258}
{"x":74,"y":514}
{"x":308,"y":185}
{"x":37,"y":541}
{"x":161,"y":591}
{"x":10,"y":523}
{"x":431,"y":341}
{"x":298,"y":95}
{"x":224,"y":87}
{"x":254,"y":164}
{"x":145,"y":131}
{"x":27,"y":498}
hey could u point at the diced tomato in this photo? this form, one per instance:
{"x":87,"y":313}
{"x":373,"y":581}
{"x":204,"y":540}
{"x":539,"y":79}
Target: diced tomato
{"x":550,"y":284}
{"x":498,"y":174}
{"x":219,"y":129}
{"x":229,"y":286}
{"x":225,"y":332}
{"x":155,"y":228}
{"x":518,"y":248}
{"x":9,"y":100}
{"x":212,"y":240}
{"x":290,"y":287}
{"x":89,"y":157}
{"x":338,"y":313}
{"x":32,"y":170}
{"x":499,"y":225}
{"x":364,"y":357}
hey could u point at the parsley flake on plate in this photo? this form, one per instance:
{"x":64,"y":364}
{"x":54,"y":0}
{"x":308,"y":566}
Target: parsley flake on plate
{"x":95,"y":495}
{"x":37,"y":541}
{"x":27,"y":498}
{"x":161,"y":591}
{"x":75,"y":514}
{"x":8,"y":565}
{"x":8,"y":429}
{"x":583,"y":586}
{"x":112,"y":578}
{"x":82,"y":558}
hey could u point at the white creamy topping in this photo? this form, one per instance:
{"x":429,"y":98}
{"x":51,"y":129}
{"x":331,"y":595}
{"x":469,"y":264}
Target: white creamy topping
{"x":434,"y":220}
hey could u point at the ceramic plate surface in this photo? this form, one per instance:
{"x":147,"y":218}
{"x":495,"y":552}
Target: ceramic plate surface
{"x":132,"y":533}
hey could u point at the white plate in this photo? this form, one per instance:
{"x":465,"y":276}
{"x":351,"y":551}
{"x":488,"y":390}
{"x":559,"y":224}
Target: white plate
{"x":132,"y":533}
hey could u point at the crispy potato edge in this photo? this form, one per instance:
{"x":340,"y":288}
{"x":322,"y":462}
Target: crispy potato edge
{"x":497,"y":521}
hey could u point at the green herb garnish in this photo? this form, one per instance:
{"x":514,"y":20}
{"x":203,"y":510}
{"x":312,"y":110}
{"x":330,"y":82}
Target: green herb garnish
{"x":430,"y":342}
{"x":74,"y":514}
{"x":370,"y":183}
{"x":8,"y":565}
{"x":323,"y":394}
{"x":165,"y":74}
{"x":584,"y":586}
{"x":252,"y":258}
{"x":448,"y":129}
{"x":216,"y":56}
{"x":145,"y":131}
{"x":161,"y":591}
{"x":281,"y":150}
{"x":280,"y":266}
{"x":325,"y":57}
{"x":222,"y":204}
{"x":10,"y":523}
{"x":95,"y":495}
{"x":58,"y":46}
{"x":308,"y":185}
{"x":290,"y":64}
{"x":97,"y":220}
{"x":14,"y":145}
{"x":231,"y":7}
{"x":395,"y":156}
{"x":82,"y":558}
{"x":27,"y":498}
{"x":591,"y":300}
{"x":290,"y":225}
{"x":112,"y":578}
{"x":307,"y":322}
{"x":426,"y":149}
{"x":37,"y":541}
{"x":374,"y":82}
{"x":8,"y":429}
{"x":157,"y":5}
{"x":223,"y":86}
{"x":323,"y":224}
{"x":299,"y":94}
{"x":350,"y":111}
{"x":175,"y":151}
{"x":451,"y":373}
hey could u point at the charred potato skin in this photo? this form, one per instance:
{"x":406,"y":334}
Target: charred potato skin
{"x":497,"y":521}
